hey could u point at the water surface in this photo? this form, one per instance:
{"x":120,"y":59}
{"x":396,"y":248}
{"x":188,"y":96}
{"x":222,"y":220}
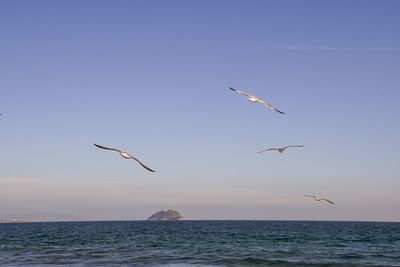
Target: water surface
{"x":200,"y":243}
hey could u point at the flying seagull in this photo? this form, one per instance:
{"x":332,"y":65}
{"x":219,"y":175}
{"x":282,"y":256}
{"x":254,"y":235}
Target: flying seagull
{"x":255,"y":99}
{"x":280,"y":149}
{"x":125,"y":155}
{"x":319,"y":199}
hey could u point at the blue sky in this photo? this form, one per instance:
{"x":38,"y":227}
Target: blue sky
{"x":152,"y":77}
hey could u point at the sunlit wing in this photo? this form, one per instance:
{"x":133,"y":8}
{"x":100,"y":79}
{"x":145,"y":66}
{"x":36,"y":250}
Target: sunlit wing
{"x":270,"y":106}
{"x":240,"y":92}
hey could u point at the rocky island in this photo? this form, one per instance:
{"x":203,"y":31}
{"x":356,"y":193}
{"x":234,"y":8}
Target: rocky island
{"x":166,"y":215}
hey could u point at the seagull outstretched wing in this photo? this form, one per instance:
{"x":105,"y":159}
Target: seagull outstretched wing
{"x":294,"y":146}
{"x":107,"y":148}
{"x":144,"y":166}
{"x":270,"y":106}
{"x":327,"y":200}
{"x":240,"y":92}
{"x":269,"y":149}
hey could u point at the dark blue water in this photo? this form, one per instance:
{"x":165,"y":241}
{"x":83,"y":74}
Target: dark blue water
{"x":200,"y":243}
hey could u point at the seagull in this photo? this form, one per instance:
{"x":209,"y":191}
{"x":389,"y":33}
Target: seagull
{"x":319,"y":199}
{"x":255,"y":99}
{"x":280,"y":149}
{"x":125,"y":155}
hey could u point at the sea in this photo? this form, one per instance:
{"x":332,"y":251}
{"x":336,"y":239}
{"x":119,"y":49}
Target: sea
{"x":200,"y":243}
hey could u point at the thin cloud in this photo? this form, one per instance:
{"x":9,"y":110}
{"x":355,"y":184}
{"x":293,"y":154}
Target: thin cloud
{"x":329,"y":48}
{"x":117,"y":44}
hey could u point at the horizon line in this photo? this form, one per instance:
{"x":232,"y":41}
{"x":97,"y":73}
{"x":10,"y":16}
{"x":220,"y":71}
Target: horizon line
{"x":195,"y":220}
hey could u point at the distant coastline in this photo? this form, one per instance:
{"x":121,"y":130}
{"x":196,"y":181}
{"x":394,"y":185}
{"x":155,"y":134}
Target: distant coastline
{"x":12,"y":221}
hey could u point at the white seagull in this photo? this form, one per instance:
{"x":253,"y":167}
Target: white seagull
{"x":319,"y":199}
{"x":125,"y":155}
{"x":279,"y":149}
{"x":255,"y":99}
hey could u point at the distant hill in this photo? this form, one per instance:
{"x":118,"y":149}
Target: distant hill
{"x":166,"y":215}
